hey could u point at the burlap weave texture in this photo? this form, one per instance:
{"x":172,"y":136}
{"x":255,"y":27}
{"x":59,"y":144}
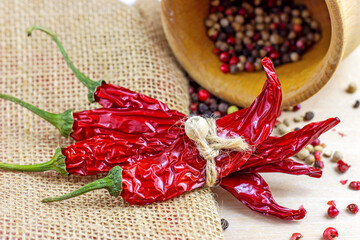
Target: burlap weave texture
{"x":106,"y":40}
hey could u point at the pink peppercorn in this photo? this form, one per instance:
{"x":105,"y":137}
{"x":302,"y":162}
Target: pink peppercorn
{"x":316,"y":142}
{"x":228,"y":11}
{"x":342,"y":166}
{"x":230,"y":40}
{"x":296,"y":236}
{"x":233,"y":60}
{"x":319,"y":164}
{"x":296,"y":107}
{"x":242,"y":11}
{"x":333,"y":211}
{"x":250,"y":46}
{"x":274,"y":55}
{"x":224,"y":57}
{"x":330,"y":233}
{"x":193,"y":107}
{"x":343,"y":182}
{"x":216,"y":114}
{"x":216,"y":51}
{"x":268,"y":48}
{"x":203,"y":95}
{"x":297,"y":28}
{"x":224,"y":68}
{"x":256,"y":37}
{"x":355,"y":185}
{"x":231,"y":52}
{"x":353,"y":208}
{"x":317,"y":155}
{"x":331,"y":203}
{"x":220,"y":8}
{"x":249,"y":67}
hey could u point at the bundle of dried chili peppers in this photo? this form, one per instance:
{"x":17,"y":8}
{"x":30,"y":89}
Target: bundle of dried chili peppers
{"x":149,"y":157}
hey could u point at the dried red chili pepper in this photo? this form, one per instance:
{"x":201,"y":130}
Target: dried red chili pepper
{"x":95,"y":155}
{"x":107,"y":95}
{"x":85,"y":124}
{"x":330,"y":233}
{"x":156,"y":173}
{"x":191,"y":163}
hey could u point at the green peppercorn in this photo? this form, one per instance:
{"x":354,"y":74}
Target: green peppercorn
{"x":232,"y":109}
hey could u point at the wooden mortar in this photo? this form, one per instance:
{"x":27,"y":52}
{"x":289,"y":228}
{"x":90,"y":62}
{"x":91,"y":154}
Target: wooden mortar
{"x":183,"y":23}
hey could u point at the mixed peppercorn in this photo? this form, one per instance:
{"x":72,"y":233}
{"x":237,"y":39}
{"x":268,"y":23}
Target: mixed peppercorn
{"x":246,"y":31}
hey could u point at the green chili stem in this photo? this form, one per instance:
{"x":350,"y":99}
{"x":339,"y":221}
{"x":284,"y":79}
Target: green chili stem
{"x":90,"y":84}
{"x":57,"y":163}
{"x":112,"y":182}
{"x":62,"y":121}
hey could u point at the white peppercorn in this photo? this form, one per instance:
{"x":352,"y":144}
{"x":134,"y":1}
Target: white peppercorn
{"x":327,"y":153}
{"x":224,"y":22}
{"x":337,"y":156}
{"x":310,"y":148}
{"x":239,"y":19}
{"x":240,"y":65}
{"x":282,"y":129}
{"x":286,"y":122}
{"x":304,"y":153}
{"x":310,"y":159}
{"x":294,"y":56}
{"x":352,"y":87}
{"x":298,"y":119}
{"x":318,"y":148}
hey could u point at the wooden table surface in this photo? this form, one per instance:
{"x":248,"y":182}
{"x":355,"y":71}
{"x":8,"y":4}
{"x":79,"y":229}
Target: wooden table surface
{"x":313,"y":194}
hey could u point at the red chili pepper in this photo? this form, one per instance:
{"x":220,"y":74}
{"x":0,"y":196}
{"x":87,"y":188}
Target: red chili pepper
{"x":179,"y":168}
{"x":86,"y":124}
{"x":107,"y":95}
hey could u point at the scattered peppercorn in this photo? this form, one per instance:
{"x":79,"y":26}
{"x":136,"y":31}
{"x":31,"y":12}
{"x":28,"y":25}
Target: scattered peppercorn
{"x":232,"y":109}
{"x":316,"y":142}
{"x":296,"y":236}
{"x":342,"y":166}
{"x":353,"y":208}
{"x":355,"y":185}
{"x":352,"y":87}
{"x":333,"y":211}
{"x":327,"y":153}
{"x":224,"y":224}
{"x":246,"y":31}
{"x":319,"y":164}
{"x":356,"y":104}
{"x":309,"y":116}
{"x":337,"y":156}
{"x":331,"y":203}
{"x":203,"y":95}
{"x":330,"y":233}
{"x":343,"y":182}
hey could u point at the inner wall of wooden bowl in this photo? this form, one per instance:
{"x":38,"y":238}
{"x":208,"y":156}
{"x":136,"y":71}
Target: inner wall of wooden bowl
{"x":189,"y":41}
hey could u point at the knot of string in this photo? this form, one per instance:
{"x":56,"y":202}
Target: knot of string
{"x":203,"y":132}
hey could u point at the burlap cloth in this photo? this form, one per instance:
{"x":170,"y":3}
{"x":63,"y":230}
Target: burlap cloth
{"x":106,"y":40}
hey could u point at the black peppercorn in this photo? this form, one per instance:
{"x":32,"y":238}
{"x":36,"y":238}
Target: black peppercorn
{"x":202,"y":108}
{"x":224,"y":224}
{"x":308,"y":116}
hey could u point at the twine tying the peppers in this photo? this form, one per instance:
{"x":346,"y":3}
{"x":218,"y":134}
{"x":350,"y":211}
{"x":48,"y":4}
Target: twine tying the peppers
{"x":203,"y":132}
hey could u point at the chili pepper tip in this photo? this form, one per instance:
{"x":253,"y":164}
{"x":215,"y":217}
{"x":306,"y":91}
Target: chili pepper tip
{"x":57,"y":163}
{"x":90,"y":84}
{"x":112,"y":182}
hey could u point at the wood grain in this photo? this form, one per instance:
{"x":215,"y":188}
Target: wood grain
{"x":183,"y":23}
